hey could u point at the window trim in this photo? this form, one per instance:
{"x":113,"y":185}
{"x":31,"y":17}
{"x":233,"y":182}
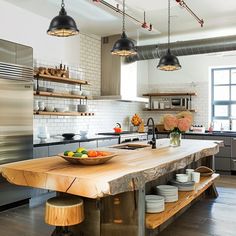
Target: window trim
{"x":222,"y":102}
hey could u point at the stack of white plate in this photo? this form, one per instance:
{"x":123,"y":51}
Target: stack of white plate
{"x":170,"y":193}
{"x":154,"y":203}
{"x":187,"y":186}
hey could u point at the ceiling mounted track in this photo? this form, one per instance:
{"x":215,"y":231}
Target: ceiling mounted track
{"x":184,"y":5}
{"x":143,"y":24}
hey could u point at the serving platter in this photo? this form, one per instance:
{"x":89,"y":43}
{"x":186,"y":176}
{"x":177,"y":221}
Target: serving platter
{"x":89,"y":160}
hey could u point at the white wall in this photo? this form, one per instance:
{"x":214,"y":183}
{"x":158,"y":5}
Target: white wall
{"x":83,"y":52}
{"x":193,"y":77}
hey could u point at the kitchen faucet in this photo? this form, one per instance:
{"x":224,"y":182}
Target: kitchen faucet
{"x":153,"y":141}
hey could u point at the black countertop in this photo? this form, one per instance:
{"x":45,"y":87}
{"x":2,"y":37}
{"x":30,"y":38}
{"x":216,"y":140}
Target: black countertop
{"x":60,"y":140}
{"x":214,"y":133}
{"x":76,"y":139}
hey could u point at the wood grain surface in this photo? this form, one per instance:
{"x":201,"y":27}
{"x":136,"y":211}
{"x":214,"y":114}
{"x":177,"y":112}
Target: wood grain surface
{"x":128,"y":171}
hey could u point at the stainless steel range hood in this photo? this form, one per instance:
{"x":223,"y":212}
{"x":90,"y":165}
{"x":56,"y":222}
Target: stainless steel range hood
{"x":119,"y":79}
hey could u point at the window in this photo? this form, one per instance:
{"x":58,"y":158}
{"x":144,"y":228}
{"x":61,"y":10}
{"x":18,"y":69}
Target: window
{"x":224,"y":98}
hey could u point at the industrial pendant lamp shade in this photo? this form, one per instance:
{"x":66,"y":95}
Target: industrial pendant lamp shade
{"x":62,"y":25}
{"x":169,"y":62}
{"x":124,"y":46}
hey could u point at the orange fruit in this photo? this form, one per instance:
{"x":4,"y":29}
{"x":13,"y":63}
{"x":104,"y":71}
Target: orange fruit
{"x":92,"y":153}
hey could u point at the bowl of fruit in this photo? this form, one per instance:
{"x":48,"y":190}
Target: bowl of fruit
{"x":87,"y":157}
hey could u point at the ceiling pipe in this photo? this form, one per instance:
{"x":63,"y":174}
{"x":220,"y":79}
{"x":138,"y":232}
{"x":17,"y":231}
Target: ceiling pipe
{"x":184,"y":48}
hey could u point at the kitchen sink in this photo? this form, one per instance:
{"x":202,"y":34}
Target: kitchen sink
{"x":131,"y":146}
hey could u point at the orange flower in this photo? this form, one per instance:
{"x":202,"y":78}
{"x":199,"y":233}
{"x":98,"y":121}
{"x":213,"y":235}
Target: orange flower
{"x":184,"y":124}
{"x":179,"y":123}
{"x":170,"y":122}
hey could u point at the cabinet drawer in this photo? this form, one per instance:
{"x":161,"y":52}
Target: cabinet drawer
{"x":107,"y":142}
{"x":71,"y":146}
{"x":55,"y":149}
{"x":88,"y":145}
{"x":224,"y":152}
{"x":222,"y":163}
{"x":193,"y":136}
{"x":233,"y":164}
{"x":159,"y":136}
{"x":40,"y":152}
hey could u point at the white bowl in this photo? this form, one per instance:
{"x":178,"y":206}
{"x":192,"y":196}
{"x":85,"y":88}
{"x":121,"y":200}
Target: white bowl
{"x":85,"y":93}
{"x":76,"y":92}
{"x":182,"y":178}
{"x":49,"y":108}
{"x":59,"y":109}
{"x":83,"y":133}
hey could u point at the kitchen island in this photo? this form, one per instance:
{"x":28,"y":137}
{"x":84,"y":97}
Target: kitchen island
{"x":114,"y":192}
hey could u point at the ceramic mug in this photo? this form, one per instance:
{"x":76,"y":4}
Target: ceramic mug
{"x":196,"y":177}
{"x":189,"y":173}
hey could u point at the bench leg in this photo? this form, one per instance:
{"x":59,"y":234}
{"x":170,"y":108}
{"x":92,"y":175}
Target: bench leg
{"x":212,"y":191}
{"x":62,"y":231}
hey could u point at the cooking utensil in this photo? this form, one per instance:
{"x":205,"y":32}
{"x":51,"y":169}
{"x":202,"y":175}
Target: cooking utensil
{"x":68,"y":135}
{"x":118,"y":129}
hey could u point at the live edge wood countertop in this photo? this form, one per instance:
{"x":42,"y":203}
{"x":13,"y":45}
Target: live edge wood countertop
{"x":128,"y":171}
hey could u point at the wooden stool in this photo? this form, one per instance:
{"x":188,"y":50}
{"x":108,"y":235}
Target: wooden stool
{"x":62,"y":212}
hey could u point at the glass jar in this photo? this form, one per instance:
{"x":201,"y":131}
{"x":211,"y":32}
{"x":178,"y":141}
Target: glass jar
{"x":175,"y":139}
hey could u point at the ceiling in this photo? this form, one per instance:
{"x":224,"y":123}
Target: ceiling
{"x":97,"y":19}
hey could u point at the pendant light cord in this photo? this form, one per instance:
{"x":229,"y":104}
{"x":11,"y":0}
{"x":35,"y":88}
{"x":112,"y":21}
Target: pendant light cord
{"x":123,"y":26}
{"x":168,"y":24}
{"x":62,"y":3}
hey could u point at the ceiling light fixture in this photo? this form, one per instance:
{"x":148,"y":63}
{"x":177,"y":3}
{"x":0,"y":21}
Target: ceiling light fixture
{"x":62,"y":25}
{"x":124,"y":46}
{"x":169,"y":62}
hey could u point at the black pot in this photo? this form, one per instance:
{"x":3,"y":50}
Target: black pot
{"x":68,"y":135}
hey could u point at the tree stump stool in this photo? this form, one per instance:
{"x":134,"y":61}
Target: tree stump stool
{"x":62,"y":212}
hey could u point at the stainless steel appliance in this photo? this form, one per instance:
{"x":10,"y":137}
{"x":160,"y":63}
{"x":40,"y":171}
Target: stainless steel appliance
{"x":16,"y":116}
{"x":179,"y":103}
{"x":127,"y":136}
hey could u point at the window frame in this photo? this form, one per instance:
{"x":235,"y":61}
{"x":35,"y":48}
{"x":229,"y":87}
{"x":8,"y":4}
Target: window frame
{"x":227,"y":103}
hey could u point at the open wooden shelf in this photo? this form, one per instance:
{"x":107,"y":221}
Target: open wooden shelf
{"x":58,"y":95}
{"x":168,"y":94}
{"x":169,"y":109}
{"x":156,"y":219}
{"x":61,"y":79}
{"x":47,"y":113}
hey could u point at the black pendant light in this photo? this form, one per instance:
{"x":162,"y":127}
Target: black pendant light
{"x":169,"y":62}
{"x":124,"y":46}
{"x":62,"y":25}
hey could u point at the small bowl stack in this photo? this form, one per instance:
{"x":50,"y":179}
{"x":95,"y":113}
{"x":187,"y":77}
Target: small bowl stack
{"x":154,"y":203}
{"x":169,"y":192}
{"x":182,"y":178}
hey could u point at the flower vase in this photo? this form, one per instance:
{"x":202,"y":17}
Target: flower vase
{"x":175,"y":139}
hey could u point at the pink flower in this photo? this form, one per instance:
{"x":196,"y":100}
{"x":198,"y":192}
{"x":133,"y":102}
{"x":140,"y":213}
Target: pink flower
{"x":184,"y":124}
{"x":170,"y":122}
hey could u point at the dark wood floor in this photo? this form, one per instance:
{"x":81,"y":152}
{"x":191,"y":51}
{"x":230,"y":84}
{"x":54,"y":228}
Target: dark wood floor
{"x":205,"y":218}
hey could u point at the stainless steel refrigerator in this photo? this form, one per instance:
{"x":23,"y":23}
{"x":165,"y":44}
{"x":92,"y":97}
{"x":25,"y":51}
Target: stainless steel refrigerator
{"x":16,"y":113}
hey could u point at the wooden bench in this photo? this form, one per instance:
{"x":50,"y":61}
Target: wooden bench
{"x":155,"y":220}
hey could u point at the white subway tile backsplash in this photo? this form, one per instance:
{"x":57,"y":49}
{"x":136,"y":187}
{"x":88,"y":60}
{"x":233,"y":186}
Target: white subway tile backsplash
{"x":107,"y":113}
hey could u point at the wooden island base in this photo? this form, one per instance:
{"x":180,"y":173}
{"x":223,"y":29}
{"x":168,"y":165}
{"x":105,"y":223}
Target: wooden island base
{"x":114,"y":193}
{"x":125,"y":213}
